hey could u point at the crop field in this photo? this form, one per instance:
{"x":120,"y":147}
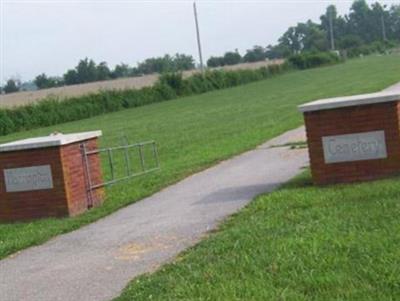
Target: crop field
{"x":198,"y":131}
{"x":298,"y":243}
{"x":21,"y":98}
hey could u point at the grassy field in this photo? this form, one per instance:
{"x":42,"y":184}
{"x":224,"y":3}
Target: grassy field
{"x":298,"y":243}
{"x":198,"y":131}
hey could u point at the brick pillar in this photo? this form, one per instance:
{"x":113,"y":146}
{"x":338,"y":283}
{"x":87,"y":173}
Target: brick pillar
{"x":76,"y":178}
{"x":25,"y":205}
{"x":65,"y":194}
{"x":349,"y":120}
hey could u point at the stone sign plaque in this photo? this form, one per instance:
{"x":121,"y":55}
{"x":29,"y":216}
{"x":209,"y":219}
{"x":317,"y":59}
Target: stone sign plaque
{"x":28,"y":178}
{"x":354,"y":147}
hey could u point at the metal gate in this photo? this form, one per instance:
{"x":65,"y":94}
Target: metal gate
{"x":132,"y":160}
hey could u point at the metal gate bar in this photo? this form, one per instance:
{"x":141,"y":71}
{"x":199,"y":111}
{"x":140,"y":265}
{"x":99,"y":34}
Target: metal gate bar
{"x":88,"y":176}
{"x":129,"y":170}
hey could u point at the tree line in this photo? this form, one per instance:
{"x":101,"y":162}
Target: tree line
{"x":365,"y":29}
{"x":256,"y":54}
{"x":88,"y":71}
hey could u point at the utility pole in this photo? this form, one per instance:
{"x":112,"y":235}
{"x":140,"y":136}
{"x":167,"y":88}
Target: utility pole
{"x":198,"y":36}
{"x":331,"y":30}
{"x":383,"y":27}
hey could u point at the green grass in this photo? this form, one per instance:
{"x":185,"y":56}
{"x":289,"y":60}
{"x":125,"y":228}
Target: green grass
{"x":300,"y":242}
{"x":198,"y":131}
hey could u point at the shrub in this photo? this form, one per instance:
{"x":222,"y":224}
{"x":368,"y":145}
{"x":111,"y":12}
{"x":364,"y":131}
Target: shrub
{"x":6,"y":124}
{"x":375,"y":47}
{"x":312,"y":60}
{"x":174,"y":81}
{"x":196,"y":84}
{"x":52,"y":111}
{"x":216,"y":79}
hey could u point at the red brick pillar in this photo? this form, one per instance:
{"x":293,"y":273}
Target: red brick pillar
{"x":353,"y":138}
{"x":46,"y":177}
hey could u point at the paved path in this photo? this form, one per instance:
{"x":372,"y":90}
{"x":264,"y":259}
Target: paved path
{"x":393,"y":88}
{"x":97,"y":261}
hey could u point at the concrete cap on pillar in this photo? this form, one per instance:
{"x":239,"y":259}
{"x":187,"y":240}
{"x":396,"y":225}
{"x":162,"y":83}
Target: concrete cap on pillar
{"x":55,"y":139}
{"x":349,"y":101}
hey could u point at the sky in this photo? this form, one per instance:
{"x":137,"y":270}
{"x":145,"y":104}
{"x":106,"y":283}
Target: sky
{"x":52,"y":36}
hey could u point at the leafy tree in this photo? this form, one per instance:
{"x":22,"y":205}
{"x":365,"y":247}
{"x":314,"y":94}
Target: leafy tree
{"x":255,"y":55}
{"x":291,"y":41}
{"x":121,"y":70}
{"x":378,"y":18}
{"x":167,"y":63}
{"x":305,"y":36}
{"x":71,"y":77}
{"x":42,"y":81}
{"x":156,"y":65}
{"x":183,"y":62}
{"x":11,"y":86}
{"x":277,"y":51}
{"x":313,"y":37}
{"x":215,"y":61}
{"x":229,"y":58}
{"x":358,"y":19}
{"x":350,"y":41}
{"x":393,"y":23}
{"x":339,"y":25}
{"x":102,"y":71}
{"x":134,"y":71}
{"x":87,"y":71}
{"x":232,"y":58}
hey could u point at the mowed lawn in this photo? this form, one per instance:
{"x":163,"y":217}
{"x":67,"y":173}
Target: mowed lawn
{"x":198,"y":131}
{"x":298,"y":243}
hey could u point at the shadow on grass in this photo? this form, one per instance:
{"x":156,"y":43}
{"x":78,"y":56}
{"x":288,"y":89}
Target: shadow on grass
{"x":304,"y":180}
